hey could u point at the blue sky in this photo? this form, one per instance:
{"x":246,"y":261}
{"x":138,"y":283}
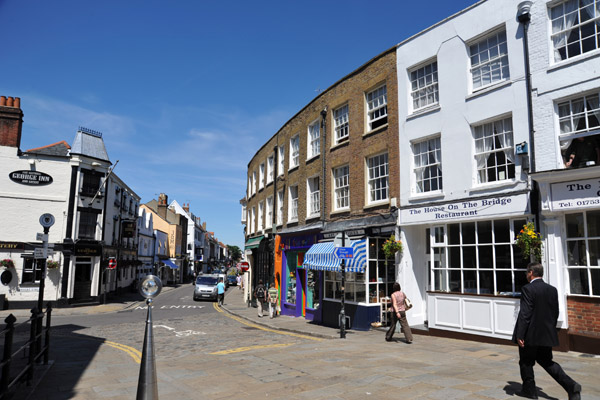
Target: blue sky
{"x":185,"y":92}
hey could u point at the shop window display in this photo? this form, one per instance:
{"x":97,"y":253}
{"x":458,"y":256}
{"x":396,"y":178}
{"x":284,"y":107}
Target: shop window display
{"x":476,"y":257}
{"x":583,"y":252}
{"x":291,"y":279}
{"x":312,"y":289}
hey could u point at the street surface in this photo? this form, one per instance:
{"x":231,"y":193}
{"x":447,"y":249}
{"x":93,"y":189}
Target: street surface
{"x":203,"y":352}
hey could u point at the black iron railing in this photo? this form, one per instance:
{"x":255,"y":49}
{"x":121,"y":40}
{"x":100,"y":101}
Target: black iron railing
{"x":33,"y":350}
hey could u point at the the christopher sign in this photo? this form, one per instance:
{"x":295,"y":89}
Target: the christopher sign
{"x":31,"y":178}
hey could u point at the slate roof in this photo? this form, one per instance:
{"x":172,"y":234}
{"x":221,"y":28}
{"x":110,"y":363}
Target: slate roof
{"x":89,"y":143}
{"x":55,"y":149}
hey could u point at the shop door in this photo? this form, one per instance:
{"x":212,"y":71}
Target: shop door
{"x":83,"y":278}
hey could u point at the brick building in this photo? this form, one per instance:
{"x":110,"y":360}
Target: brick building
{"x":332,"y":167}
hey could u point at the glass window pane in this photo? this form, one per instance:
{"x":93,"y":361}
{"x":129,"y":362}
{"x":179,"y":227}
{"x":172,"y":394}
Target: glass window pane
{"x":486,"y":257}
{"x":593,"y":223}
{"x":502,"y":231}
{"x":454,"y":280}
{"x":468,"y":233}
{"x":439,"y":257}
{"x":520,"y":280}
{"x":504,"y":282}
{"x":440,"y":280}
{"x":469,"y":257}
{"x":439,"y":234}
{"x":576,"y":252}
{"x":454,"y":257}
{"x":595,"y":281}
{"x":594,"y":246}
{"x":574,"y":224}
{"x":470,"y":281}
{"x":503,"y":256}
{"x":361,"y":293}
{"x":372,"y":271}
{"x":578,"y":281}
{"x":484,"y":231}
{"x":454,"y":234}
{"x":349,"y":294}
{"x":486,"y":282}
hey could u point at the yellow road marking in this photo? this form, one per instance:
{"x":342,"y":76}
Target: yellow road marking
{"x":242,"y":321}
{"x":248,"y":348}
{"x":134,"y":353}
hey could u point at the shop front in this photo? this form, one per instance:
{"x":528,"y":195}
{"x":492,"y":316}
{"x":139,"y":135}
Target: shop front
{"x":460,"y":267}
{"x":570,"y":202}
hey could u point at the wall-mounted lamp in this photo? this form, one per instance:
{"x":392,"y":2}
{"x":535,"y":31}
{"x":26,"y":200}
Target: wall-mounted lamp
{"x":32,"y":162}
{"x":524,"y":9}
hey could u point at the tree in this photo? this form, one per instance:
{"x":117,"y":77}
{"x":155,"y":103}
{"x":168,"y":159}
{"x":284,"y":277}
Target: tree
{"x":235,"y":253}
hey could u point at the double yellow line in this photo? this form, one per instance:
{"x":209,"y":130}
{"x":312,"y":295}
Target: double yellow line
{"x":134,"y":353}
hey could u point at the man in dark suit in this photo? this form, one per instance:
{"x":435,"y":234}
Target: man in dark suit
{"x":536,"y":334}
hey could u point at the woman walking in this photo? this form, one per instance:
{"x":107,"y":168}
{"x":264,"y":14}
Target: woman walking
{"x":398,"y":314}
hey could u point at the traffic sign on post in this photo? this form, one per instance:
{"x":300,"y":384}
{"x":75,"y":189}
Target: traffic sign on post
{"x":40,"y":253}
{"x":343,"y":252}
{"x":112,"y":263}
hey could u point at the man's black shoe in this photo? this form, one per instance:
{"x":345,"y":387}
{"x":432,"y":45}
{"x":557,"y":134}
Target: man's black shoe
{"x":575,"y":393}
{"x":527,"y":395}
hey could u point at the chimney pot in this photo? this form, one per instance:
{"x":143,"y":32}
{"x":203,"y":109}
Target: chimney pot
{"x":2,"y":100}
{"x":9,"y":102}
{"x":17,"y":102}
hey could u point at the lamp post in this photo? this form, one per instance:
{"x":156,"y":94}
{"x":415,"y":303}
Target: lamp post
{"x":147,"y":383}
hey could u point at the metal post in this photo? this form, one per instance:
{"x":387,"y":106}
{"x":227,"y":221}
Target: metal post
{"x":48,"y":322}
{"x":32,"y":345}
{"x":6,"y":358}
{"x":343,"y":309}
{"x":147,"y":383}
{"x":40,"y":303}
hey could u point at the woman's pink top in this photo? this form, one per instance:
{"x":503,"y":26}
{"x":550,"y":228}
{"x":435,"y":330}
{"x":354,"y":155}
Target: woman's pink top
{"x":398,"y":301}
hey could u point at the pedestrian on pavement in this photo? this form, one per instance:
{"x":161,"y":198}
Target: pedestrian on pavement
{"x":220,"y":291}
{"x":260,"y":294}
{"x":273,"y":296}
{"x":238,"y":281}
{"x":535,"y":333}
{"x":398,"y":314}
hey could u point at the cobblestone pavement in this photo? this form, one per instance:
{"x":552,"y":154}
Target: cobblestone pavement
{"x":233,"y":354}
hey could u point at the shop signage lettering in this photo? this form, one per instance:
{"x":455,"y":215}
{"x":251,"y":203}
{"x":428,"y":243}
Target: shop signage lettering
{"x":88,"y":251}
{"x":31,"y":178}
{"x":12,"y":246}
{"x":465,"y":210}
{"x":576,"y":194}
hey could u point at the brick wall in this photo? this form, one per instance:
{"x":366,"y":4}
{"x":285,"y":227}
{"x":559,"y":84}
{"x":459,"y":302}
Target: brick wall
{"x":584,"y":315}
{"x":352,"y":90}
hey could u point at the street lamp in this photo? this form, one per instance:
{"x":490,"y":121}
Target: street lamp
{"x":147,"y":382}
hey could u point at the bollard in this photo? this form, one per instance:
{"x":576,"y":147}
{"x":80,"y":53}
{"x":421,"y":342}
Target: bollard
{"x":47,"y":341}
{"x":6,"y":358}
{"x":147,"y":383}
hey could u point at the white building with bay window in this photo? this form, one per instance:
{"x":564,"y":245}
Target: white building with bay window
{"x":464,"y":190}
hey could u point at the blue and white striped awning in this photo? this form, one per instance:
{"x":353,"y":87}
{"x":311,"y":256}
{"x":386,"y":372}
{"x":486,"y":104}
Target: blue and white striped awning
{"x":320,"y":257}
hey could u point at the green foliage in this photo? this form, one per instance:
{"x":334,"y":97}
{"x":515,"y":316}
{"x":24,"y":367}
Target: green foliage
{"x":234,"y":252}
{"x":391,"y":247}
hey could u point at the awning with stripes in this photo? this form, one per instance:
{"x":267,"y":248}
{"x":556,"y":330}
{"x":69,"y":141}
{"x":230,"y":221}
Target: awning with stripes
{"x":320,"y":257}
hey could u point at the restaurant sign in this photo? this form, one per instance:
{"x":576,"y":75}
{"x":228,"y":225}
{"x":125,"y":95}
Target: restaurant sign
{"x":12,"y":246}
{"x":576,"y":194}
{"x":30,"y":178}
{"x":466,"y":209}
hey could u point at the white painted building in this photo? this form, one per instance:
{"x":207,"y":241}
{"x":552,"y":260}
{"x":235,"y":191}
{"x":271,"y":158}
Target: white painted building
{"x":464,"y":187}
{"x":146,"y":243}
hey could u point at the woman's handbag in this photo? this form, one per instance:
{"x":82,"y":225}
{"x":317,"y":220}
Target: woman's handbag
{"x":407,"y":304}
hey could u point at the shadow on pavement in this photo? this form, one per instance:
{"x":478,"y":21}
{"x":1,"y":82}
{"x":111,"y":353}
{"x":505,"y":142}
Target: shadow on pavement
{"x":514,"y":388}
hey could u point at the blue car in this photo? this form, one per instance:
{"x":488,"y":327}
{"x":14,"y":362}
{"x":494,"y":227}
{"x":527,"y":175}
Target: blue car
{"x":232,"y":279}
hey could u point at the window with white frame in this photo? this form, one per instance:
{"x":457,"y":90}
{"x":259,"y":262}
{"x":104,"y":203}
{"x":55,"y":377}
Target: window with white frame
{"x":579,"y":122}
{"x":253,"y":220}
{"x":249,"y":186}
{"x":341,"y":187}
{"x":428,"y":165}
{"x":249,"y":221}
{"x":476,"y":257}
{"x":293,"y":203}
{"x":378,"y":177}
{"x":575,"y":28}
{"x":294,"y":151}
{"x":259,"y":221}
{"x":377,"y":107}
{"x":583,"y":252}
{"x":313,"y":196}
{"x":269,"y":213}
{"x":489,"y":60}
{"x":270,"y":168}
{"x":424,"y":86}
{"x":244,"y":214}
{"x":261,"y":176}
{"x":494,"y":151}
{"x":281,"y":161}
{"x":314,"y":140}
{"x":280,"y":207}
{"x":253,"y":182}
{"x":340,"y":123}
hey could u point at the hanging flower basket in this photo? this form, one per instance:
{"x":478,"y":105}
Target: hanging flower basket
{"x":7,"y":262}
{"x":51,"y":264}
{"x":391,"y":247}
{"x":530,"y":242}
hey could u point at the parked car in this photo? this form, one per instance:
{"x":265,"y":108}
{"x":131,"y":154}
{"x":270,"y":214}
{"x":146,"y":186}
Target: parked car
{"x":232,"y":279}
{"x":206,"y":287}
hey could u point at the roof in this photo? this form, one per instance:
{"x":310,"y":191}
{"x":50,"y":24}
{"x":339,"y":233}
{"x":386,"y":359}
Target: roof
{"x":89,"y":143}
{"x":55,"y":149}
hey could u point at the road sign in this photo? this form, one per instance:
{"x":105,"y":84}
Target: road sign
{"x":41,"y":236}
{"x":40,"y":253}
{"x":112,"y":263}
{"x":343,"y":252}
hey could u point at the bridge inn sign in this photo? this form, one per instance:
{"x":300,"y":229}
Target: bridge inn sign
{"x":466,"y":209}
{"x":30,"y":178}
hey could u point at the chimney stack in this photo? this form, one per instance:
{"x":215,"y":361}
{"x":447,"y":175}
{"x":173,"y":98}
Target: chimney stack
{"x":162,"y":205}
{"x":186,"y":207}
{"x":11,"y":121}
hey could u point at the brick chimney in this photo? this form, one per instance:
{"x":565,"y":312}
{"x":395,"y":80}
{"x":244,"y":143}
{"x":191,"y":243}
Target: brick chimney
{"x":11,"y":121}
{"x":186,"y":207}
{"x":162,"y":205}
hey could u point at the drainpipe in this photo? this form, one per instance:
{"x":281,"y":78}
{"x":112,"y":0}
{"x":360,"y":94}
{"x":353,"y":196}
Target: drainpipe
{"x":524,"y":17}
{"x":323,"y":166}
